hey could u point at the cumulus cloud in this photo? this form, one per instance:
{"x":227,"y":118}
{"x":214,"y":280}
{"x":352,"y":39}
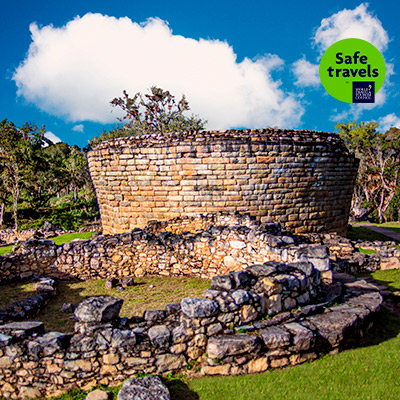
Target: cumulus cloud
{"x":78,"y":128}
{"x":51,"y":136}
{"x":306,"y":73}
{"x":389,"y":121}
{"x":76,"y":70}
{"x":357,"y":23}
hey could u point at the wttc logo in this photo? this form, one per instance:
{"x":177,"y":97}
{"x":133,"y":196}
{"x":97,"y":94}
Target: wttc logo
{"x":363,"y":92}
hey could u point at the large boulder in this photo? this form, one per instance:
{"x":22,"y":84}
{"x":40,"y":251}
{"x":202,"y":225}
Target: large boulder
{"x":147,"y":388}
{"x":98,"y":309}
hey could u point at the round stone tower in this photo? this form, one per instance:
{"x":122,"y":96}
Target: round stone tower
{"x":303,"y":179}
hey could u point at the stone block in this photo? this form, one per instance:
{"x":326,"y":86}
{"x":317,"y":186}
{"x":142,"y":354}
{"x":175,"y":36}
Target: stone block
{"x":98,"y":309}
{"x":195,"y":308}
{"x":232,"y":345}
{"x":275,"y":337}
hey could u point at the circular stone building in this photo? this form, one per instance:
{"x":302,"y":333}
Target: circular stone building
{"x":302,"y":179}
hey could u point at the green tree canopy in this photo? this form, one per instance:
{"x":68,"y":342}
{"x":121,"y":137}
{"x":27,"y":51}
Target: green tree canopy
{"x":378,"y":182}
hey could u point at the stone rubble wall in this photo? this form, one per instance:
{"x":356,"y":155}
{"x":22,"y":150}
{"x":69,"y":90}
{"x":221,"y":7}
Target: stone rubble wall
{"x":231,"y":331}
{"x":302,"y":179}
{"x":346,"y":257}
{"x":204,"y":253}
{"x":11,"y":236}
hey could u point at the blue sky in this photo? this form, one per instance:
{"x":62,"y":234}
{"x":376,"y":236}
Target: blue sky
{"x":240,"y":64}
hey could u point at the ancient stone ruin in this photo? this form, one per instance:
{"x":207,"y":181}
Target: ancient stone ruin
{"x":170,"y":206}
{"x":274,"y":302}
{"x":270,"y":315}
{"x":302,"y":179}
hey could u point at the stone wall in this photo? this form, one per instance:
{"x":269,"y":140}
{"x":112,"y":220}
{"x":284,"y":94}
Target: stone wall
{"x":244,"y":325}
{"x":302,"y":179}
{"x":229,"y":245}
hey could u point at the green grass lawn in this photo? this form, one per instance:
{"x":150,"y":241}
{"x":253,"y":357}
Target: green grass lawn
{"x":393,"y":226}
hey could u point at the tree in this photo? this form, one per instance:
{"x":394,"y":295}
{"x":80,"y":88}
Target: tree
{"x":156,"y":112}
{"x":379,"y":153}
{"x":19,"y":159}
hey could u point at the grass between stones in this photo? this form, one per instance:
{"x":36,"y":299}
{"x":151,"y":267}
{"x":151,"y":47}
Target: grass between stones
{"x":5,"y":249}
{"x":366,"y":251}
{"x":372,"y":371}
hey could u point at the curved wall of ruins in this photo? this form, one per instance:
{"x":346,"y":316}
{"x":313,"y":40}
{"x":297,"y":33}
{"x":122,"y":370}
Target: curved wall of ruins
{"x":302,"y":179}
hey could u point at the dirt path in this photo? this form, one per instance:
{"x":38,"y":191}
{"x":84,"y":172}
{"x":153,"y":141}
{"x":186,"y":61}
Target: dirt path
{"x":387,"y":232}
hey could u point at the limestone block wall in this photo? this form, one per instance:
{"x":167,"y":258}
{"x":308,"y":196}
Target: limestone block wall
{"x":302,"y":179}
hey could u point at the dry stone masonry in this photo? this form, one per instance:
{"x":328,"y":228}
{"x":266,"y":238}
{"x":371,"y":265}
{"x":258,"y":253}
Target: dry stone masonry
{"x":229,"y":243}
{"x":267,"y":316}
{"x":202,"y":246}
{"x":302,"y":179}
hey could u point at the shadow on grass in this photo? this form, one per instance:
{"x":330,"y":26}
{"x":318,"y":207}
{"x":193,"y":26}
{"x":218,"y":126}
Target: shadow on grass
{"x":365,"y":234}
{"x":387,"y":320}
{"x":179,"y":390}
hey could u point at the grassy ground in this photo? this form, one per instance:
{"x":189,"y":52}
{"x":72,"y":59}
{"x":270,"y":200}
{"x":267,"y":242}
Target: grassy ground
{"x":371,"y":371}
{"x":148,"y":293}
{"x":393,"y":226}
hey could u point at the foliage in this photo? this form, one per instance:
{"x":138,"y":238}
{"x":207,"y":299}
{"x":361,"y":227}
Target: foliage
{"x":33,"y":171}
{"x":20,"y":160}
{"x":378,"y":182}
{"x":156,"y":112}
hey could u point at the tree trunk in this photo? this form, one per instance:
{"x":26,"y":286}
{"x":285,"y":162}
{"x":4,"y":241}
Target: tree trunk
{"x":1,"y":214}
{"x":380,"y":208}
{"x":15,"y":196}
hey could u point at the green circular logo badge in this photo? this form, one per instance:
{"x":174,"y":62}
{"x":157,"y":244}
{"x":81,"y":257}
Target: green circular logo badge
{"x":352,"y":70}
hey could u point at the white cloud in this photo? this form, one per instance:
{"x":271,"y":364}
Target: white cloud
{"x":78,"y":128}
{"x":389,"y":121}
{"x":306,"y":73}
{"x":51,"y":136}
{"x":76,"y":70}
{"x":357,"y":23}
